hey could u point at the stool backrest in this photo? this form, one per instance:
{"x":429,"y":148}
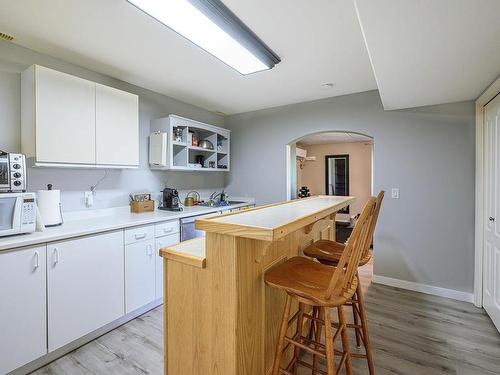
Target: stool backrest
{"x":373,"y":222}
{"x":348,"y":264}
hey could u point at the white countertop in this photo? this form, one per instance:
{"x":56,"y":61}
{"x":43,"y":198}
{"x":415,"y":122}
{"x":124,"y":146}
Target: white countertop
{"x":275,"y":216}
{"x":95,"y":221}
{"x":274,"y":221}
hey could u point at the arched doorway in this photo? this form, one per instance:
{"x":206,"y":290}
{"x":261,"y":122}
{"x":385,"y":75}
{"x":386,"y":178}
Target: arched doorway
{"x":311,"y":150}
{"x":333,"y":163}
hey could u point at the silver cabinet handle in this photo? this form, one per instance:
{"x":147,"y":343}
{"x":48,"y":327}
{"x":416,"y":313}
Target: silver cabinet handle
{"x":140,"y":236}
{"x":56,"y":255}
{"x":165,"y":230}
{"x":149,"y":250}
{"x":37,"y":260}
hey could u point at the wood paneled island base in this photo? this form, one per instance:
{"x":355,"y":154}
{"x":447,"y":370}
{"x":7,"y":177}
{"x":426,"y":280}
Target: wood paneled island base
{"x":219,"y":317}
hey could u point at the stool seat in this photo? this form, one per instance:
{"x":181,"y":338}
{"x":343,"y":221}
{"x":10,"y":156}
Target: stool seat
{"x":329,"y":252}
{"x":310,"y":280}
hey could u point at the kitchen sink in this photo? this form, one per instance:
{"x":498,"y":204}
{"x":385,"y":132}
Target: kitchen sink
{"x":208,"y":204}
{"x":220,"y":204}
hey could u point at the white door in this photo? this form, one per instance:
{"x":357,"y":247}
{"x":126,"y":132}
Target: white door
{"x":139,"y":275}
{"x":117,"y":127}
{"x":85,"y":286}
{"x":23,"y":325}
{"x":65,"y":118}
{"x":491,"y":266}
{"x":162,"y":242}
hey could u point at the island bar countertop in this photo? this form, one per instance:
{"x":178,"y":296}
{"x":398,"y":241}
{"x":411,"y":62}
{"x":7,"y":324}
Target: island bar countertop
{"x":274,"y":221}
{"x":220,"y":318}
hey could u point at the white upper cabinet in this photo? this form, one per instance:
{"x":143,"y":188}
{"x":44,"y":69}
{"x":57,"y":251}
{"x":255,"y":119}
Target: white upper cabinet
{"x":64,"y":114}
{"x":117,"y":127}
{"x":70,"y":121}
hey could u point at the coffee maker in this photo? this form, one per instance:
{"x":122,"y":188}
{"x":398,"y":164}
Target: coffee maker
{"x":170,"y":200}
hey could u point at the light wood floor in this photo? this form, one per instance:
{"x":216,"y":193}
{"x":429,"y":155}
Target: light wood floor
{"x":412,"y":333}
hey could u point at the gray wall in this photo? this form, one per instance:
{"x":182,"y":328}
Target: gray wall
{"x":114,"y":190}
{"x":427,"y":236}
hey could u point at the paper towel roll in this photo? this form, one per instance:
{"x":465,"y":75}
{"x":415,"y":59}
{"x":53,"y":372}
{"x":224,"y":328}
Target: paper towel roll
{"x":49,"y":204}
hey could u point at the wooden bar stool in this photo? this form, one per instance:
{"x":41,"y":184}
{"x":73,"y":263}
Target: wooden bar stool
{"x":321,"y":287}
{"x":329,"y":253}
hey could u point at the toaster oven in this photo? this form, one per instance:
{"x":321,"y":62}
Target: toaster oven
{"x":12,"y":172}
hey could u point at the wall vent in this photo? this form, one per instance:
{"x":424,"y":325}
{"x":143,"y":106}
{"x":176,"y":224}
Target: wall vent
{"x":6,"y":37}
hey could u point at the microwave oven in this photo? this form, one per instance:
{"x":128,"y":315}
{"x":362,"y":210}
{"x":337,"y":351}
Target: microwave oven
{"x":12,"y":172}
{"x":17,"y":213}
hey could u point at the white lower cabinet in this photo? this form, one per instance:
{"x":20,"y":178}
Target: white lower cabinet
{"x":85,"y":286}
{"x":56,"y":293}
{"x":23,"y":316}
{"x":171,"y":239}
{"x":139,"y":274}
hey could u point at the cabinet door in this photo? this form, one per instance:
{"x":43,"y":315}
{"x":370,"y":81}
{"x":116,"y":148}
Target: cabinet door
{"x":65,"y":118}
{"x":23,"y":324}
{"x":117,"y":127}
{"x":162,"y":242}
{"x":85,"y":286}
{"x":139,"y":275}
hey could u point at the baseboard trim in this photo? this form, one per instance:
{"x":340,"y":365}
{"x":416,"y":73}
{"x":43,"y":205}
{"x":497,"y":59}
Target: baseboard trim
{"x":423,"y":288}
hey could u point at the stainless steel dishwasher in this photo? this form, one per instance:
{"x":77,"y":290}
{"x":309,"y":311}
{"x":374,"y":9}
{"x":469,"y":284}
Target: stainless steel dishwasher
{"x":188,"y":230}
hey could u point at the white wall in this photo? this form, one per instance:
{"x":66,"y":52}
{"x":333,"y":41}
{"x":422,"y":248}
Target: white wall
{"x":114,"y":190}
{"x":427,"y":236}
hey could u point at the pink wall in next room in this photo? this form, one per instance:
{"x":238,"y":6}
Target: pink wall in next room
{"x":360,"y":169}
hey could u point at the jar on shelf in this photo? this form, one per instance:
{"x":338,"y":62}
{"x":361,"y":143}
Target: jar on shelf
{"x":177,"y":134}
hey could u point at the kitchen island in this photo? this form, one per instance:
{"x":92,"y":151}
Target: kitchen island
{"x":219,"y":317}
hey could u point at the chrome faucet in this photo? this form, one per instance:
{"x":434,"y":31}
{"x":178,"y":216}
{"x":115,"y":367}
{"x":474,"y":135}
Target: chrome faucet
{"x":214,"y":195}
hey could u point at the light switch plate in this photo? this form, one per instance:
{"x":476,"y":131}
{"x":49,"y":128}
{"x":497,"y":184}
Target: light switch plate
{"x":395,"y":193}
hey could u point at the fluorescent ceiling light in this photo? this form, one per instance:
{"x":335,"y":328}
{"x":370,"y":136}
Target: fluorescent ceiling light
{"x":213,"y":27}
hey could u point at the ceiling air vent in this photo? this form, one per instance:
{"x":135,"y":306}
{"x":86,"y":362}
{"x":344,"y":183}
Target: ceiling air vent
{"x":6,"y":37}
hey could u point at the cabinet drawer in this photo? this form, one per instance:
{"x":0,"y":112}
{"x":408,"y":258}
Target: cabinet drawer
{"x":164,"y":229}
{"x":133,"y":235}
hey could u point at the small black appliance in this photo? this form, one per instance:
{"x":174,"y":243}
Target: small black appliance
{"x":170,"y":201}
{"x":304,"y":192}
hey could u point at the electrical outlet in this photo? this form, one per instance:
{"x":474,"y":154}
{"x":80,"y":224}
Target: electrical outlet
{"x":395,"y":193}
{"x":89,"y":199}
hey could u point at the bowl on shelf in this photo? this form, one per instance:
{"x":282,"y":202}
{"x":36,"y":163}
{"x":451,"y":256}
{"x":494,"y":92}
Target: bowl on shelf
{"x":206,"y":144}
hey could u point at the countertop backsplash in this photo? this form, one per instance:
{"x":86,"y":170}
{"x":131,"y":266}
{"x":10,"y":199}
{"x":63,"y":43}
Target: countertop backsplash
{"x":114,"y":189}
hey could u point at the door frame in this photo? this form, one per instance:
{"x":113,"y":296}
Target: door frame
{"x":491,"y":92}
{"x":345,"y":210}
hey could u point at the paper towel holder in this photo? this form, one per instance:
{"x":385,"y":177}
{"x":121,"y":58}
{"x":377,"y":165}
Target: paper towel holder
{"x":50,"y":207}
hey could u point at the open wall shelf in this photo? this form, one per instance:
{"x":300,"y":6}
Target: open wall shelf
{"x":172,"y":146}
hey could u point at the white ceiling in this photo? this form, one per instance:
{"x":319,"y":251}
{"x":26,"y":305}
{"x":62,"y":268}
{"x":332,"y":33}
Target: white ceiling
{"x":423,"y":52}
{"x":427,"y":52}
{"x":317,"y":44}
{"x":333,"y":137}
